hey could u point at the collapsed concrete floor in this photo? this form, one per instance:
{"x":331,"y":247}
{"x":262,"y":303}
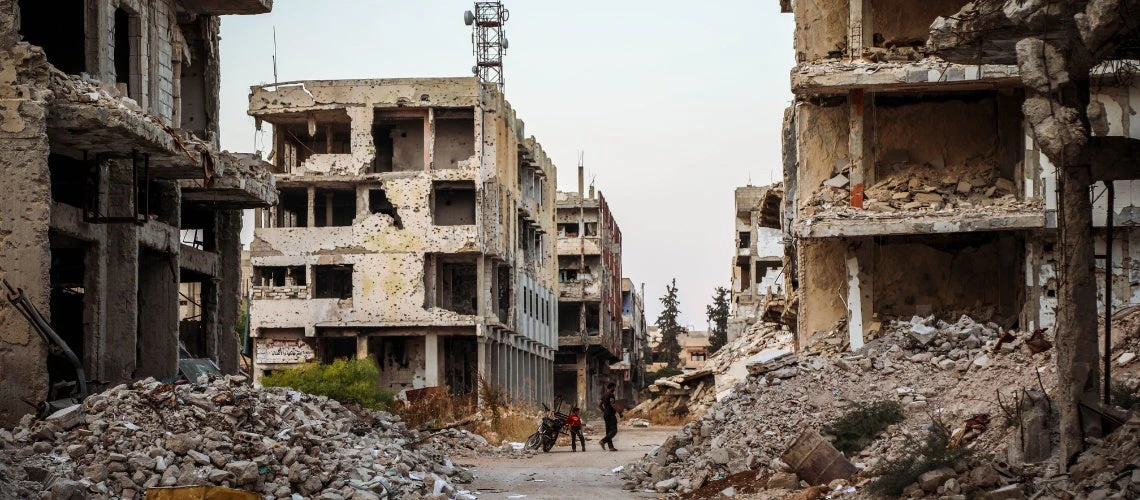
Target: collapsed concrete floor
{"x":950,"y":373}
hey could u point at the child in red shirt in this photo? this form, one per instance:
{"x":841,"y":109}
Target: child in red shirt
{"x":575,"y":423}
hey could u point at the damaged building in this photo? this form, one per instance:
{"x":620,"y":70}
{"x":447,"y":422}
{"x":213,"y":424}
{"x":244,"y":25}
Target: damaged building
{"x":757,"y":290}
{"x":914,"y":185}
{"x":118,"y":199}
{"x":589,"y":297}
{"x":414,"y":228}
{"x":634,"y":340}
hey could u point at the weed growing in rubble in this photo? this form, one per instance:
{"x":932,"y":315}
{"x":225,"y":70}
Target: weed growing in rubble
{"x":858,"y":427}
{"x":932,"y":453}
{"x":1124,"y":397}
{"x":345,"y":380}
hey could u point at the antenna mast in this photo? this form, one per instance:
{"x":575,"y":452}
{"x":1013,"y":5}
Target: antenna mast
{"x":488,"y":40}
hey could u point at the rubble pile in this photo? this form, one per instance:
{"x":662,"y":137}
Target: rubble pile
{"x":692,"y":393}
{"x":277,"y":442}
{"x":953,"y":372}
{"x":920,"y":188}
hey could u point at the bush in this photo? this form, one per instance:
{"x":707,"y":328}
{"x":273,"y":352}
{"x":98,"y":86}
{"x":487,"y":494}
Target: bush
{"x":933,"y":453}
{"x":345,"y":380}
{"x":857,"y":428}
{"x":1124,"y":397}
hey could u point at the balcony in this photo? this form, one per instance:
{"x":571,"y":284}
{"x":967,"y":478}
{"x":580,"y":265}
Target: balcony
{"x":236,"y":181}
{"x":228,"y":7}
{"x":590,"y":245}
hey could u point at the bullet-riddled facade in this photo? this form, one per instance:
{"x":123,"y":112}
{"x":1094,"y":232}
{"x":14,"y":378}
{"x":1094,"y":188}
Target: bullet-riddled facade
{"x":415,"y":228}
{"x":118,"y":205}
{"x":589,"y":297}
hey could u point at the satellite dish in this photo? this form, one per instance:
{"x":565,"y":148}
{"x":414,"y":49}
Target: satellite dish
{"x":505,"y":43}
{"x":468,"y":18}
{"x":474,"y":70}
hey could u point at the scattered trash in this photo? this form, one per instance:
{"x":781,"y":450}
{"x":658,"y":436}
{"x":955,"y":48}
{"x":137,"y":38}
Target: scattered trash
{"x":618,"y":469}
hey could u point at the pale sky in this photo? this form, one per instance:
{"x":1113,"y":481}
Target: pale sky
{"x":674,"y":103}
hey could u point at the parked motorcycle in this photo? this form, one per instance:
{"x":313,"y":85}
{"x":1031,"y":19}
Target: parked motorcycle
{"x":553,"y":423}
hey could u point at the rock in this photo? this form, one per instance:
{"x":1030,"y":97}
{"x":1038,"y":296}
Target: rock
{"x":245,"y":472}
{"x":719,"y":456}
{"x":666,"y":485}
{"x":728,"y":492}
{"x":682,"y":453}
{"x":930,"y":481}
{"x":984,"y":477}
{"x":181,"y":443}
{"x":783,"y":481}
{"x":982,"y":361}
{"x":839,"y":181}
{"x":1010,"y":492}
{"x":1125,"y":358}
{"x":922,"y":334}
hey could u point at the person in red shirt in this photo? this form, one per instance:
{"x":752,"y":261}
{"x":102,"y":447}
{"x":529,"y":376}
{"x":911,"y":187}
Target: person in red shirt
{"x":575,"y":422}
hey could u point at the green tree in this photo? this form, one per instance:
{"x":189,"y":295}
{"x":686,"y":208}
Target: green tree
{"x":717,"y":315}
{"x":670,"y":329}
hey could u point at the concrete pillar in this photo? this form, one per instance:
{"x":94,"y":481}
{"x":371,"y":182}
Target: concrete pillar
{"x":328,"y":209}
{"x":310,"y":200}
{"x":122,"y":273}
{"x":431,"y":360}
{"x":859,"y":144}
{"x":25,"y":253}
{"x":157,"y":315}
{"x":362,"y":347}
{"x":227,"y":340}
{"x":481,"y":356}
{"x":860,"y":26}
{"x":429,"y":141}
{"x":583,"y":386}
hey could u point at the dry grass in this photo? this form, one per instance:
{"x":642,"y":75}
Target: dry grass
{"x":496,"y":419}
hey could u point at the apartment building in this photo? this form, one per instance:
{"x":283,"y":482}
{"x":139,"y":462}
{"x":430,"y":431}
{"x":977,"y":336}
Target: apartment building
{"x":758,"y":263}
{"x":589,"y":296}
{"x":914,"y":185}
{"x":415,"y":228}
{"x":118,"y":199}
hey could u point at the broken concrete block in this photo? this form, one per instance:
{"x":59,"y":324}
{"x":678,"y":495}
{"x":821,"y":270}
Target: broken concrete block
{"x":839,"y":181}
{"x":930,"y":481}
{"x":67,"y":418}
{"x":928,"y":198}
{"x":783,"y":481}
{"x":1125,"y":358}
{"x":964,"y":187}
{"x":922,"y":333}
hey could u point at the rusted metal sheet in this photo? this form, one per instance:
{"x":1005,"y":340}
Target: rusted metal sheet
{"x":816,"y":461}
{"x":199,"y":493}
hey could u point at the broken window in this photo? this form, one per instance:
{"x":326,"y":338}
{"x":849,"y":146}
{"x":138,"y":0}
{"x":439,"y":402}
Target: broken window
{"x":190,"y":81}
{"x":567,"y":275}
{"x":503,"y":287}
{"x":128,"y":53}
{"x":593,"y":318}
{"x":67,"y":302}
{"x":198,"y":227}
{"x":196,"y":299}
{"x":399,"y":143}
{"x":293,"y":207}
{"x":68,"y":180}
{"x":697,"y":356}
{"x":452,"y":283}
{"x":278,"y":275}
{"x":334,"y":348}
{"x":454,"y":137}
{"x":745,"y":275}
{"x":591,"y":229}
{"x":378,"y":203}
{"x":59,"y":28}
{"x":453,"y":203}
{"x":334,"y":207}
{"x":745,"y":239}
{"x":569,"y":317}
{"x":332,"y":282}
{"x":302,"y":135}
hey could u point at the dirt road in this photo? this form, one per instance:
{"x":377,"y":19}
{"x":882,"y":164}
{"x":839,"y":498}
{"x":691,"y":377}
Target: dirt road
{"x":564,"y":474}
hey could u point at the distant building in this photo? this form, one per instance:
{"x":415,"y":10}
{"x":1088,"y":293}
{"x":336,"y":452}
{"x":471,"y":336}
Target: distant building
{"x":634,"y":340}
{"x":694,"y":350}
{"x":758,"y":261}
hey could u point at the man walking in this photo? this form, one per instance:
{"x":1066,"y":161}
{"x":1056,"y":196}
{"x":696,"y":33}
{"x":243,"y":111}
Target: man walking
{"x":609,"y":414}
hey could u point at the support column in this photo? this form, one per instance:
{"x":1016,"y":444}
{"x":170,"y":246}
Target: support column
{"x":860,"y":306}
{"x":362,"y":347}
{"x":226,"y":342}
{"x":582,"y":382}
{"x":328,"y":209}
{"x":429,"y":140}
{"x":431,"y":360}
{"x":859,"y":144}
{"x":481,"y":356}
{"x":157,"y":309}
{"x":860,"y":27}
{"x":310,"y":200}
{"x":122,"y":274}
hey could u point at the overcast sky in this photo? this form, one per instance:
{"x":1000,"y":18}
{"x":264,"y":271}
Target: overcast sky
{"x":674,"y":103}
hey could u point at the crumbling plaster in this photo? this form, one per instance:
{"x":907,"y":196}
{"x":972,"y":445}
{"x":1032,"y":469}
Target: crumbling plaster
{"x":821,"y":146}
{"x":821,"y":26}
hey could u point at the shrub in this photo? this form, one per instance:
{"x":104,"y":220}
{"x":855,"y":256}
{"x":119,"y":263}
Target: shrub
{"x":932,"y":453}
{"x":1124,"y":397}
{"x":345,"y":380}
{"x":858,"y":427}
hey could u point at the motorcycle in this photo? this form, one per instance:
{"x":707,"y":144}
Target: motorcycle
{"x":553,"y":423}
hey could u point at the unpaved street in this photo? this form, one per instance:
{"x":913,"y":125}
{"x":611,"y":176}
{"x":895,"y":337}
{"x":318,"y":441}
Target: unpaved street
{"x":563,"y":474}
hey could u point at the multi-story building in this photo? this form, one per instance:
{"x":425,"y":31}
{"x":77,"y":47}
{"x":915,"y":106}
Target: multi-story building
{"x":415,"y":228}
{"x":914,"y":185}
{"x":757,"y":267}
{"x":117,"y":196}
{"x":589,"y":295}
{"x":634,"y":341}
